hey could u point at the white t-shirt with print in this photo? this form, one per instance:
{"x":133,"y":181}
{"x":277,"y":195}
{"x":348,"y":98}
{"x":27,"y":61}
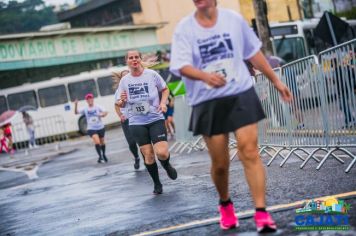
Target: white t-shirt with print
{"x":220,"y":49}
{"x":143,"y":100}
{"x":92,"y":115}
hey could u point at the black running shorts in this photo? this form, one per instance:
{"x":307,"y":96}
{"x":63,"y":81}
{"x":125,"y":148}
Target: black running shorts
{"x":226,"y":114}
{"x":150,"y":133}
{"x":100,"y":132}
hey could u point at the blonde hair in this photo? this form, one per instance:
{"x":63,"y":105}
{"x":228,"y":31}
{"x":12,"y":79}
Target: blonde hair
{"x":116,"y":77}
{"x":147,"y":60}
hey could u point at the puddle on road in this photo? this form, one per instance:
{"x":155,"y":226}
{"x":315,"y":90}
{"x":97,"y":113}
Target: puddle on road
{"x":31,"y":168}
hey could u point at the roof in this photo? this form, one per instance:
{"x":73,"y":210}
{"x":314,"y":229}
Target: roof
{"x":81,"y":30}
{"x":91,"y":5}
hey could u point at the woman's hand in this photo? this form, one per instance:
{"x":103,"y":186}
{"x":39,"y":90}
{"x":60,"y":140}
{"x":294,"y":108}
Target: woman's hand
{"x":123,"y":96}
{"x":122,"y":118}
{"x":214,"y":80}
{"x":162,"y":107}
{"x":283,"y":91}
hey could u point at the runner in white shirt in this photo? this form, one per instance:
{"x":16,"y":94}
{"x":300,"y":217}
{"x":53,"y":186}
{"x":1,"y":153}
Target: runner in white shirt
{"x":139,"y":92}
{"x":208,"y":50}
{"x":95,"y":127}
{"x":123,"y":115}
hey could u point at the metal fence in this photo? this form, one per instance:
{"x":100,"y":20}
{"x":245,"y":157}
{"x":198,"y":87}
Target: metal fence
{"x":185,"y":141}
{"x":46,"y":130}
{"x":321,"y":120}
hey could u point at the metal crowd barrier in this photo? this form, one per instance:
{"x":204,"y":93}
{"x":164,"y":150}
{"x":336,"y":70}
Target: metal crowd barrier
{"x":47,"y":130}
{"x":185,"y":141}
{"x":322,"y":115}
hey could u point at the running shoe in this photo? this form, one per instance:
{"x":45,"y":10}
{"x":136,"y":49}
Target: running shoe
{"x":264,"y":222}
{"x":157,"y":189}
{"x":228,"y":219}
{"x":171,"y":172}
{"x":100,"y":160}
{"x":137,"y":163}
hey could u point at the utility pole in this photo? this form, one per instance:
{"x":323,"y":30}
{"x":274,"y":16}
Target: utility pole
{"x":299,"y":10}
{"x":310,"y":9}
{"x":260,"y":7}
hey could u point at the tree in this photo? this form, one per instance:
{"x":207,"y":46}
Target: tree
{"x":260,"y":7}
{"x":26,"y":16}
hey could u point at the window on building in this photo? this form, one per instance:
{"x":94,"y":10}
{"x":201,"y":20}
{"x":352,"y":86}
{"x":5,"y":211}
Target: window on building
{"x":105,"y":86}
{"x":18,"y":100}
{"x":52,"y":96}
{"x":3,"y":105}
{"x":78,"y":90}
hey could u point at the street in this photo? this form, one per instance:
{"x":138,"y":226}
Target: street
{"x":74,"y":195}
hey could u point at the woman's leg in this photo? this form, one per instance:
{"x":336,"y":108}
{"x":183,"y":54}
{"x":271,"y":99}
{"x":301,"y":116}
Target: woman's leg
{"x":151,"y":165}
{"x":103,"y":148}
{"x":96,"y":141}
{"x":130,"y":139}
{"x":142,"y":137}
{"x":220,"y":162}
{"x":171,"y":124}
{"x":219,"y":154}
{"x":158,"y":136}
{"x":246,"y":138}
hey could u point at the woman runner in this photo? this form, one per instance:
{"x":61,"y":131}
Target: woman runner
{"x":208,"y":50}
{"x":139,"y":92}
{"x":123,"y":115}
{"x":95,"y":128}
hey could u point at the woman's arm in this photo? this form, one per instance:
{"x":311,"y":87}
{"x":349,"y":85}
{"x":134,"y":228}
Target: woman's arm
{"x":119,"y":113}
{"x":260,"y":63}
{"x":163,"y":104}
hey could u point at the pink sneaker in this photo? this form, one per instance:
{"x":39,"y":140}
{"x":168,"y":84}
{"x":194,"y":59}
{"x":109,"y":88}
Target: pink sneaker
{"x":264,"y":222}
{"x":228,"y":219}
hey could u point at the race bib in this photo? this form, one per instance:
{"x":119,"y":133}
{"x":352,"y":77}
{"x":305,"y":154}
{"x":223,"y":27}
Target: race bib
{"x":140,"y":108}
{"x":224,"y":68}
{"x":93,"y":120}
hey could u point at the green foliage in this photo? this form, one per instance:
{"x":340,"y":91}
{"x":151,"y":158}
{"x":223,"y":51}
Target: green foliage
{"x":350,"y":14}
{"x":26,"y":16}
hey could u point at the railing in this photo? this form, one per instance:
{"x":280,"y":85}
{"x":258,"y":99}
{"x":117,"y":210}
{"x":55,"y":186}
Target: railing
{"x":46,"y":130}
{"x":322,"y":116}
{"x":320,"y":122}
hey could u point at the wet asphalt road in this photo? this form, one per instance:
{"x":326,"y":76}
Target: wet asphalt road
{"x":76,"y":196}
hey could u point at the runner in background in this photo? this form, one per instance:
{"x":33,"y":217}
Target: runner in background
{"x":95,"y":128}
{"x":123,"y":115}
{"x":139,"y":93}
{"x":208,"y":50}
{"x":168,"y":116}
{"x":7,"y":132}
{"x":27,"y":119}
